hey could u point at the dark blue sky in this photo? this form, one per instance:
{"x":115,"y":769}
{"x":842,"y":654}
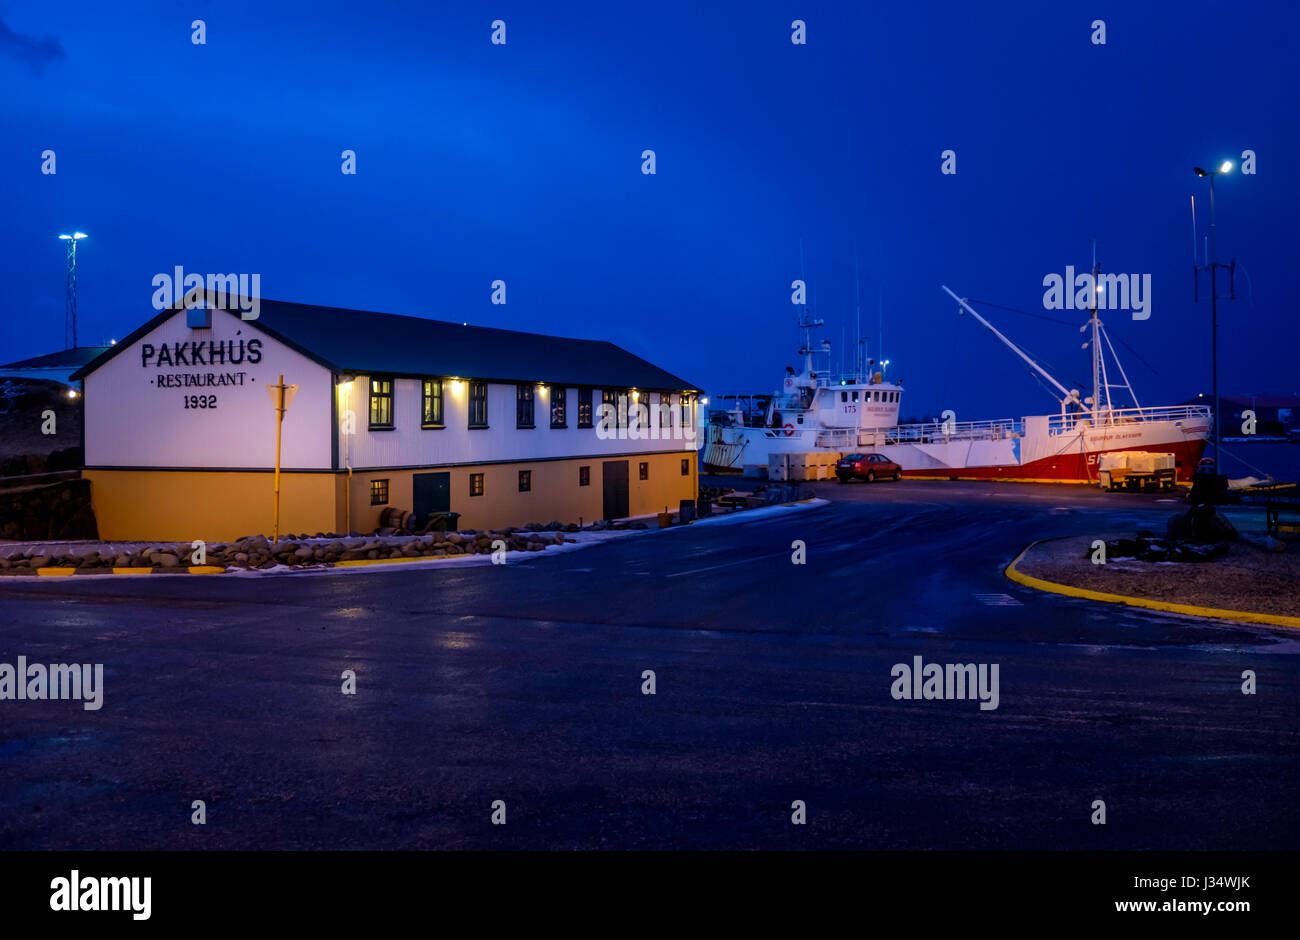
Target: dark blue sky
{"x":522,"y":162}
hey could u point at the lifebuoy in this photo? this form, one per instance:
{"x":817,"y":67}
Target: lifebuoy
{"x":789,"y":430}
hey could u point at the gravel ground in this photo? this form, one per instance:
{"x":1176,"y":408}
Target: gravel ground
{"x":1247,"y":578}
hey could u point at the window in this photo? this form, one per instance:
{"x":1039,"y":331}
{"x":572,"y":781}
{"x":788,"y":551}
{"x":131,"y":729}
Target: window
{"x":478,"y":404}
{"x":855,"y":396}
{"x":525,"y":481}
{"x":686,"y":466}
{"x":610,"y":413}
{"x":686,"y":411}
{"x":381,"y":402}
{"x":378,"y":492}
{"x":524,"y":406}
{"x":645,"y":470}
{"x":559,"y":403}
{"x":431,"y":413}
{"x":844,"y":396}
{"x":584,"y":407}
{"x":476,"y":484}
{"x":584,"y":476}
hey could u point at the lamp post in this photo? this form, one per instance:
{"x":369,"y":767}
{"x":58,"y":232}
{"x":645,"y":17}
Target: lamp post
{"x":281,"y":396}
{"x":70,"y":297}
{"x":1224,"y":168}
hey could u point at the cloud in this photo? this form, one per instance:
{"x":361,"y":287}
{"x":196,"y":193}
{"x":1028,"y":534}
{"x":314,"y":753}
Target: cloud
{"x":36,"y":52}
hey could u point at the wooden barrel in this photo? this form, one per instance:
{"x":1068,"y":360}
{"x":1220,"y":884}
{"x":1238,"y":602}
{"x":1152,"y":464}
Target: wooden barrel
{"x":393,"y":517}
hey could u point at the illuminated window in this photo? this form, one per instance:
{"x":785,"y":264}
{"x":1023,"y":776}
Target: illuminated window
{"x":431,"y":414}
{"x":584,"y":407}
{"x":476,"y":484}
{"x":379,"y":492}
{"x":525,"y":481}
{"x":584,"y":476}
{"x":559,"y":416}
{"x":645,"y":470}
{"x":381,"y":403}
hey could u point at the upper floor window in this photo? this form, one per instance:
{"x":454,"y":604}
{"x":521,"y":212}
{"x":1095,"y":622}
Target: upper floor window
{"x":381,"y":402}
{"x":478,"y":414}
{"x":431,"y":412}
{"x":524,"y":406}
{"x":559,"y":404}
{"x":686,"y":411}
{"x":613,"y":408}
{"x":584,"y":408}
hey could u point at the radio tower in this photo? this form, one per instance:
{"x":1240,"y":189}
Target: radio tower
{"x":70,"y":301}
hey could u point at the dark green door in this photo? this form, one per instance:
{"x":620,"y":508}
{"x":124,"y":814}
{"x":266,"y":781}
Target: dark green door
{"x":431,"y":493}
{"x":615,"y":481}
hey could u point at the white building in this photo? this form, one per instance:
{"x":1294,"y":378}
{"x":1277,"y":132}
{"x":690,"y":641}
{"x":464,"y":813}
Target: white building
{"x":390,"y":411}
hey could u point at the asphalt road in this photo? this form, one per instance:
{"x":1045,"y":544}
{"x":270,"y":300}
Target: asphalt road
{"x":523,"y":683}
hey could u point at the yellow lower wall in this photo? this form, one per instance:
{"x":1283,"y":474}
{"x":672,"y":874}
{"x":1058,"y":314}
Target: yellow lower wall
{"x":555,"y":493}
{"x":166,"y":505}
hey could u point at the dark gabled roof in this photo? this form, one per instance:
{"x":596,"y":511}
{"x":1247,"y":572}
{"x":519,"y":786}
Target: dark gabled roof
{"x":64,"y":359}
{"x":388,"y":343}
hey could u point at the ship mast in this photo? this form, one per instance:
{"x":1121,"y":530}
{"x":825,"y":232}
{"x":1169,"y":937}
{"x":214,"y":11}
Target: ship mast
{"x":1098,"y":385}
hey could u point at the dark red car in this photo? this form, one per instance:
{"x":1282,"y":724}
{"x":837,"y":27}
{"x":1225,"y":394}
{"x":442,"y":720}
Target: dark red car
{"x":869,"y":467}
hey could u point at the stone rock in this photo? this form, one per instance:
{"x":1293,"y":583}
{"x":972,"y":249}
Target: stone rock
{"x":304,"y":551}
{"x":164,"y":560}
{"x":39,"y":561}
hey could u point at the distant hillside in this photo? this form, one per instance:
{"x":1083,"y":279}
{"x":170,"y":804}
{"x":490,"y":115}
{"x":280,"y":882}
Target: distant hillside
{"x":23,"y":403}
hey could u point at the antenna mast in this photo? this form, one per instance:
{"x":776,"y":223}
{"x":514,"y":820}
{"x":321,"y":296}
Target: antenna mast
{"x":858,"y":358}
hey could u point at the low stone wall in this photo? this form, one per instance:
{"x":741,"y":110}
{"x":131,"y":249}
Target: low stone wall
{"x":258,"y":552}
{"x":59,"y":510}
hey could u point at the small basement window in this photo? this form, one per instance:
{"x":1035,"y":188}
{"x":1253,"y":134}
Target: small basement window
{"x":525,"y":481}
{"x":645,"y":470}
{"x":476,"y":484}
{"x":686,"y":466}
{"x":379,"y":492}
{"x":584,"y":476}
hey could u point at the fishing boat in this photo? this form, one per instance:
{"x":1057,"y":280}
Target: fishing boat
{"x":818,"y":411}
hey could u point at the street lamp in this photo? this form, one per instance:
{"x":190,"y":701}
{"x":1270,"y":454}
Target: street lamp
{"x":1224,"y":167}
{"x":281,"y":398}
{"x":70,"y":296}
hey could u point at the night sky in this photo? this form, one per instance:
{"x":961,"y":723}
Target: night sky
{"x":523,"y":162}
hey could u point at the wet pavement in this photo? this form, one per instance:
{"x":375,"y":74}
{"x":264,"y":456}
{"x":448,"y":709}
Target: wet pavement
{"x":523,"y":683}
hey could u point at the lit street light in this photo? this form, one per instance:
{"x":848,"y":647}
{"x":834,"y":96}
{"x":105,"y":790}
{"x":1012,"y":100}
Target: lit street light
{"x":70,"y":297}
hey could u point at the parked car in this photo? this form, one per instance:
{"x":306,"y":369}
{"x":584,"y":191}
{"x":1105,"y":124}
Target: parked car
{"x":869,"y":467}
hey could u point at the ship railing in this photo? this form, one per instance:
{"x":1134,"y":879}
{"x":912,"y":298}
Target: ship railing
{"x":1060,"y":424}
{"x":942,"y":431}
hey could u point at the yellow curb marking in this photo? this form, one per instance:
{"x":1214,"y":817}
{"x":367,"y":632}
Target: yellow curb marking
{"x":1053,"y":587}
{"x":55,"y":572}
